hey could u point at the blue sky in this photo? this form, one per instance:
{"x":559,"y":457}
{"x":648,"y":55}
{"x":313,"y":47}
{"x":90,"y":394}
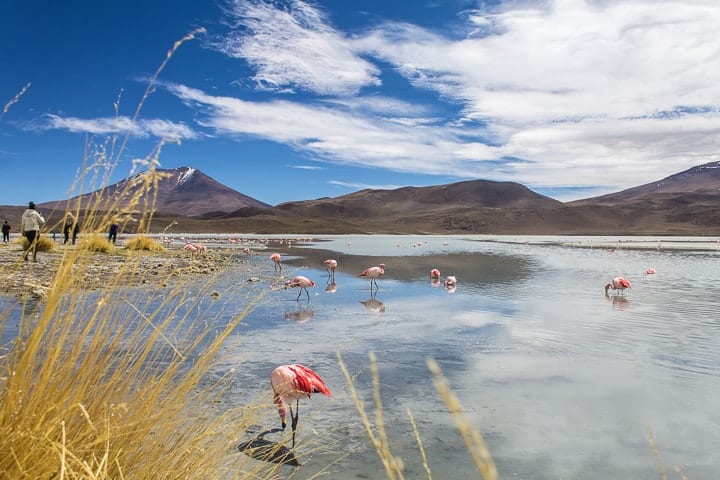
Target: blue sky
{"x":294,"y":100}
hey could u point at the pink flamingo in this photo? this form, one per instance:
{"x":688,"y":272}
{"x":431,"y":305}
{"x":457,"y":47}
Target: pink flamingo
{"x":200,"y":248}
{"x":650,"y":271}
{"x":302,"y":282}
{"x":331,"y":266}
{"x":275,"y":257}
{"x":618,"y":283}
{"x":192,"y":249}
{"x":434,"y":273}
{"x":450,"y":281}
{"x":373,"y":273}
{"x":246,"y":250}
{"x":293,"y":382}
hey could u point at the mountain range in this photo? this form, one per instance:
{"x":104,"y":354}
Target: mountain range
{"x":687,"y":203}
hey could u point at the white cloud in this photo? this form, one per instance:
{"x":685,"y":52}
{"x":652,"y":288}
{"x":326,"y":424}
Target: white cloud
{"x":296,"y":48}
{"x":363,"y":186}
{"x":306,"y":167}
{"x":120,"y":125}
{"x":571,"y":88}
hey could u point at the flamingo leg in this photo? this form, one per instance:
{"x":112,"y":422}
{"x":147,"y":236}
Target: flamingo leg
{"x":295,"y":420}
{"x":298,"y":297}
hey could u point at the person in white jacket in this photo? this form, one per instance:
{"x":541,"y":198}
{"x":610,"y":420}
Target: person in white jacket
{"x":32,"y":221}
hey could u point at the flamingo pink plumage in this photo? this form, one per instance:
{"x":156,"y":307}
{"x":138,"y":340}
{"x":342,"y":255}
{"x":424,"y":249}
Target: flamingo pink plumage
{"x":275,"y":257}
{"x":434,"y":273}
{"x":331,"y":266}
{"x":373,"y":273}
{"x":618,"y":283}
{"x":302,"y":282}
{"x":191,"y":248}
{"x":450,"y":281}
{"x":293,"y":382}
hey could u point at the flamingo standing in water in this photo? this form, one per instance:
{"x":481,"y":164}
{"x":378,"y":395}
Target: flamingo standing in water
{"x":434,"y":273}
{"x":618,"y":283}
{"x":275,"y":257}
{"x":331,"y":266}
{"x":293,"y":382}
{"x":451,"y":281}
{"x":303,"y":282}
{"x":373,"y":273}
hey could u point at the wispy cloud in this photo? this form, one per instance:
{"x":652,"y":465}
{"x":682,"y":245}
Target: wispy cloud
{"x":306,"y":167}
{"x":363,"y":186}
{"x":294,"y":47}
{"x":120,"y":125}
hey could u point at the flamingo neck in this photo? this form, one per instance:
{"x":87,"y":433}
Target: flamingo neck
{"x":282,"y":408}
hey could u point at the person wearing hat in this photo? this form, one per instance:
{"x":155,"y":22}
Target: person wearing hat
{"x":32,"y":221}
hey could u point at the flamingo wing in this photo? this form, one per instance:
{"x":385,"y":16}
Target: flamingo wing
{"x":307,"y":381}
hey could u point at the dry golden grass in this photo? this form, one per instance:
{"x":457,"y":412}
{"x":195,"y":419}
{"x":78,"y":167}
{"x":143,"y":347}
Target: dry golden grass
{"x":112,"y":387}
{"x":44,"y":243}
{"x":143,"y":243}
{"x":96,"y":243}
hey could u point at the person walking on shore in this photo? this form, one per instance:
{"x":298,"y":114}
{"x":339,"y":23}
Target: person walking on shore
{"x":112,"y":236}
{"x":6,"y":231}
{"x":66,"y":231}
{"x":32,"y":221}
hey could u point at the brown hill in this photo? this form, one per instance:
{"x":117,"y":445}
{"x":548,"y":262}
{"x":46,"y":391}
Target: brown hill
{"x":183,"y":191}
{"x":699,"y":183}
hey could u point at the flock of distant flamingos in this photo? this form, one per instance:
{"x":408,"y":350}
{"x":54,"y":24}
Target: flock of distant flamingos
{"x":296,"y":381}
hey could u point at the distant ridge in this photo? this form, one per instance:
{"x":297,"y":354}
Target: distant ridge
{"x":687,"y":203}
{"x":184,"y":191}
{"x":696,"y":182}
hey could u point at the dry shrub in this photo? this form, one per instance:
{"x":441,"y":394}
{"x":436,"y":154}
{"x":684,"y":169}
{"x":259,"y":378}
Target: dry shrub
{"x":44,"y":244}
{"x":96,"y":243}
{"x":143,"y":243}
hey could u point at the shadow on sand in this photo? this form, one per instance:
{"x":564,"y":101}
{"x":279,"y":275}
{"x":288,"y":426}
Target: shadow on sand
{"x":267,"y":451}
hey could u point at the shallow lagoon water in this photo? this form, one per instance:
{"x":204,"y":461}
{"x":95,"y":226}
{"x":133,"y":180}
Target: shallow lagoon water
{"x":561,"y":380}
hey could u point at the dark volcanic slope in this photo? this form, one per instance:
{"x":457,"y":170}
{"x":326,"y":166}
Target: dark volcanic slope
{"x":182,"y":191}
{"x":699,"y":182}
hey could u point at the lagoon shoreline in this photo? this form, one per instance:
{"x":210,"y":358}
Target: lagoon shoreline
{"x":171,"y":265}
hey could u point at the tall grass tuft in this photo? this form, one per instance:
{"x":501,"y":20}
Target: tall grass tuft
{"x":44,"y":244}
{"x":143,"y":243}
{"x":96,"y":243}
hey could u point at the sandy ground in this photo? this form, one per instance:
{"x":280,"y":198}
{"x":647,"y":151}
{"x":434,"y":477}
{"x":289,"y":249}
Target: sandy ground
{"x":18,"y":278}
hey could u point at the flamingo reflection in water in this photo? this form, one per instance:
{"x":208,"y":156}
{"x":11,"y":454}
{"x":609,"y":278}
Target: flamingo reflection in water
{"x":621,"y":302}
{"x":373,"y":304}
{"x":302,"y":315}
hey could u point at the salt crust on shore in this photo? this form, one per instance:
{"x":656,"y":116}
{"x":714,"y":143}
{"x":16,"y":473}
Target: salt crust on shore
{"x":19,"y":278}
